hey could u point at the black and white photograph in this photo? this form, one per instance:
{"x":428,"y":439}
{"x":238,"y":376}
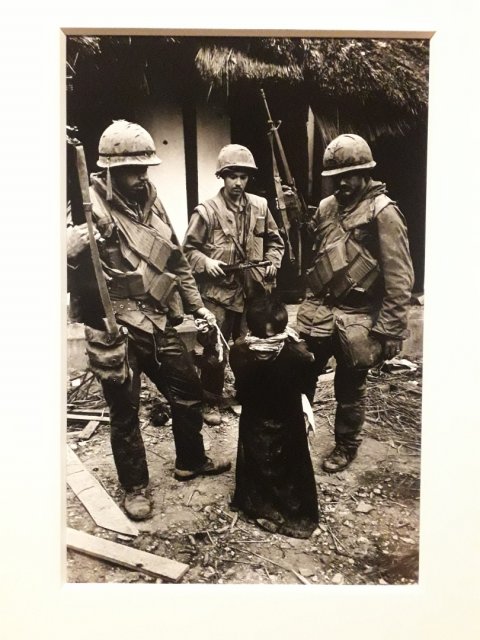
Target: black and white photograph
{"x":240,"y":361}
{"x":245,"y":254}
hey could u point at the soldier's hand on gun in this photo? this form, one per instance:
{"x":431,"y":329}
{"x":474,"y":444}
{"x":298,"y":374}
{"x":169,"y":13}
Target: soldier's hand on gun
{"x":214,"y":267}
{"x":77,"y":239}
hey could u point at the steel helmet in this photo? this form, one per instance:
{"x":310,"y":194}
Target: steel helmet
{"x":347,"y":152}
{"x":235,"y":156}
{"x":124,"y":143}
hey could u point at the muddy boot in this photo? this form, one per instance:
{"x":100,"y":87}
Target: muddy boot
{"x":211,"y":415}
{"x":338,"y":459}
{"x":137,"y":504}
{"x":210,"y":468}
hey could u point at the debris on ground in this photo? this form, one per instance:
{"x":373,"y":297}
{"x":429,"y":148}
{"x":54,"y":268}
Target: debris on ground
{"x":369,"y":513}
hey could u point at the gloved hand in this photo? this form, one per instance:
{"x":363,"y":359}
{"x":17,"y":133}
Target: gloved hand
{"x":214,"y":267}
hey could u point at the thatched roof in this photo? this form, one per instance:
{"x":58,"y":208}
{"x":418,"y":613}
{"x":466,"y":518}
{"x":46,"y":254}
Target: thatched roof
{"x":221,"y":66}
{"x":365,"y":84}
{"x":374,"y":85}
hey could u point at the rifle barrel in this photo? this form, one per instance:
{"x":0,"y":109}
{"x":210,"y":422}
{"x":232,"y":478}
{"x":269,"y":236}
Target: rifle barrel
{"x":266,"y":105}
{"x":274,"y":130}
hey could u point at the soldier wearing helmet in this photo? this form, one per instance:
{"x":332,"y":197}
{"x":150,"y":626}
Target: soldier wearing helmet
{"x":232,"y":227}
{"x":142,"y":261}
{"x":359,"y":286}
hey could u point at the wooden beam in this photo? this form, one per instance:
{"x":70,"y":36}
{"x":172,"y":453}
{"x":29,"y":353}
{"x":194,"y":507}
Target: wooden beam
{"x":71,"y":406}
{"x":78,"y":417}
{"x":124,"y":556}
{"x":89,"y":430}
{"x":104,"y":511}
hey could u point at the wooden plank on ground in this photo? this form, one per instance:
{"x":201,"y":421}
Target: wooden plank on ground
{"x":77,"y":416}
{"x":135,"y":559}
{"x":89,"y":430}
{"x":73,"y":408}
{"x":103,"y":509}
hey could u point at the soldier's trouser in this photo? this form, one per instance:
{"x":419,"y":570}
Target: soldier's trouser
{"x":349,"y":386}
{"x":164,"y":359}
{"x":232,"y":325}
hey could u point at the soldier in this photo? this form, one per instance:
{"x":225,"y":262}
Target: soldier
{"x":232,"y":227}
{"x":141,"y":260}
{"x":359,"y":287}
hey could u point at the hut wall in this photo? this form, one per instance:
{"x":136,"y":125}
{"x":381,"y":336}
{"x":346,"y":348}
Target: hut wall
{"x":163,"y":119}
{"x":213,"y":132}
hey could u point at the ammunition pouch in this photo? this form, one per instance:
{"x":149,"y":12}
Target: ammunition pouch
{"x":160,"y":252}
{"x":162,"y":286}
{"x":360,"y":349}
{"x":107,"y":355}
{"x":341,"y":266}
{"x":136,"y":284}
{"x":127,"y":285}
{"x":331,"y":261}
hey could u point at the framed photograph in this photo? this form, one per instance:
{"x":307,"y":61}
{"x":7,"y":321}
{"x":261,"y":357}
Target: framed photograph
{"x":299,"y":115}
{"x":394,"y":551}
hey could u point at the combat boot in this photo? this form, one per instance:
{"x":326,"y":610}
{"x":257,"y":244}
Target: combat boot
{"x":209,"y":468}
{"x":339,"y":458}
{"x":137,"y":504}
{"x":211,"y":415}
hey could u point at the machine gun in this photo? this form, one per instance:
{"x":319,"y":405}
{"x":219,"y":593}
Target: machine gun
{"x":290,"y":204}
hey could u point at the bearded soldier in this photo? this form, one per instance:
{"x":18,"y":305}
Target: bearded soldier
{"x":359,"y":286}
{"x":144,"y":266}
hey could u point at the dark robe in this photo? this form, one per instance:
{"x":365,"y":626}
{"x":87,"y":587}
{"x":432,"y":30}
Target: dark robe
{"x":274,"y":473}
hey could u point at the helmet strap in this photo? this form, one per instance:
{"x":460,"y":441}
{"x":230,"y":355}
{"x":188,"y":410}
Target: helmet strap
{"x":109,"y":184}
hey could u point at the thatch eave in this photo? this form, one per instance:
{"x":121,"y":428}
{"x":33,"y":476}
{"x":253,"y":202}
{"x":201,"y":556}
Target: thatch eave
{"x":220,"y":66}
{"x":363,"y":71}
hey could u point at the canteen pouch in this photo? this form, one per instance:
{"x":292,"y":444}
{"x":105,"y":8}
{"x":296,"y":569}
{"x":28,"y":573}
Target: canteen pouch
{"x":360,"y":350}
{"x":107,"y":355}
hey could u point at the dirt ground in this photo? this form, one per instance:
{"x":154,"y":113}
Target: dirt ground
{"x":369,"y":523}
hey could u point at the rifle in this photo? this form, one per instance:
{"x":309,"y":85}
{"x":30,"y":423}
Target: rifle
{"x":81,"y":205}
{"x":242,"y":266}
{"x":290,"y":204}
